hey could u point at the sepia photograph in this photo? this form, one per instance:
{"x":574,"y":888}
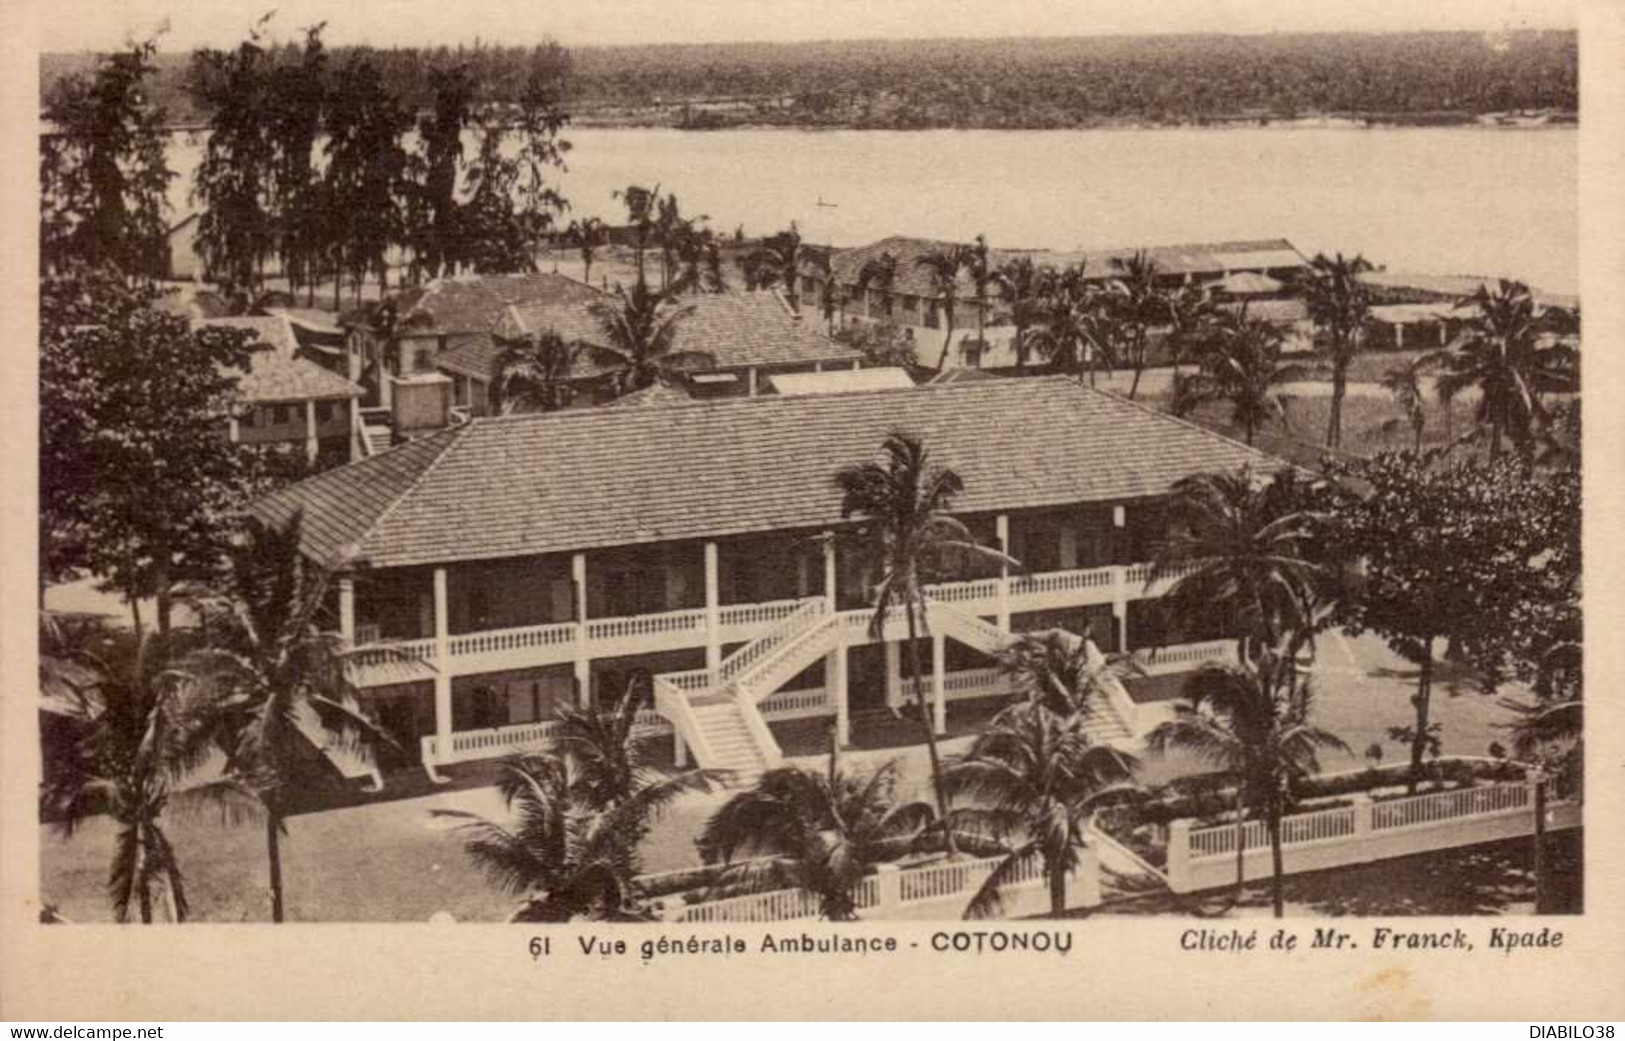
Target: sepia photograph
{"x":781,"y":466}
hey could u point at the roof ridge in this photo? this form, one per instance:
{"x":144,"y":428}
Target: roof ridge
{"x":451,"y":435}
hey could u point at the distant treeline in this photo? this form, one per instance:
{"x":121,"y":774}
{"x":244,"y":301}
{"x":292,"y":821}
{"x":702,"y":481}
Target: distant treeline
{"x":1040,"y":82}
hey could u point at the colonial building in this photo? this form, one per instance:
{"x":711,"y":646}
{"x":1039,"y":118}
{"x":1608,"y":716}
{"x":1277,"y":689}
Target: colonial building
{"x":286,"y":397}
{"x":501,"y":567}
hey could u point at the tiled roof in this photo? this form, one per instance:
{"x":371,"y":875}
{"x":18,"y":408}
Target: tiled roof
{"x":273,"y":377}
{"x":652,"y":396}
{"x":339,"y":507}
{"x":564,"y":481}
{"x":738,"y":330}
{"x":472,"y":304}
{"x":275,"y":331}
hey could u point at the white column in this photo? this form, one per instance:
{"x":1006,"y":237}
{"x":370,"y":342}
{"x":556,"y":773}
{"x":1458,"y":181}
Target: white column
{"x":750,"y":381}
{"x":894,"y":674}
{"x":713,"y":610}
{"x":356,"y":433}
{"x":442,"y":676}
{"x":1002,"y":534}
{"x":857,"y":363}
{"x":233,"y":430}
{"x":310,"y":432}
{"x":829,"y":568}
{"x":347,"y":609}
{"x":583,"y":659}
{"x":835,"y":686}
{"x":1399,"y":335}
{"x":939,"y":693}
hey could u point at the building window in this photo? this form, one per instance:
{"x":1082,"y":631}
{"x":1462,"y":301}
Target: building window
{"x":249,"y":419}
{"x":324,"y":411}
{"x":281,"y":414}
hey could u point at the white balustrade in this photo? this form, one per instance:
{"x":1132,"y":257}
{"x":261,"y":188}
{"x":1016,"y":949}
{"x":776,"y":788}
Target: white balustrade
{"x":496,"y":641}
{"x":797,"y":704}
{"x":737,"y":664}
{"x":734,"y":615}
{"x":634,"y":626}
{"x":1061,"y":581}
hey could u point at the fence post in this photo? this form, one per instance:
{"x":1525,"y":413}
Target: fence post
{"x":888,"y":890}
{"x":1362,"y":814}
{"x":1179,"y":855}
{"x":672,"y":908}
{"x":1083,"y":885}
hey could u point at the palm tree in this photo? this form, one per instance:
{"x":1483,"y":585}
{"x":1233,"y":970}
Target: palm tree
{"x":1338,"y":304}
{"x":879,"y":273}
{"x":699,"y":261}
{"x":1036,"y":780}
{"x":779,"y":260}
{"x":1021,"y":284}
{"x":587,"y":235}
{"x":943,"y":266}
{"x":1062,"y":672}
{"x":818,"y":832}
{"x":1509,"y":353}
{"x":534,"y":373}
{"x":904,"y":502}
{"x":1140,"y":305}
{"x":1243,"y":547}
{"x":639,"y":330}
{"x":1190,"y":314}
{"x":671,"y":231}
{"x":1242,"y":366}
{"x":609,"y":765}
{"x":979,"y":269}
{"x":1404,"y":383}
{"x":1077,"y":332}
{"x":276,"y":675}
{"x":1252,"y":722}
{"x":642,"y":206}
{"x":136,"y":730}
{"x":564,"y":855}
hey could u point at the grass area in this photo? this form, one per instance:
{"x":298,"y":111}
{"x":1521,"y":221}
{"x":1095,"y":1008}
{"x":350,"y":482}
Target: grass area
{"x":1301,"y":435}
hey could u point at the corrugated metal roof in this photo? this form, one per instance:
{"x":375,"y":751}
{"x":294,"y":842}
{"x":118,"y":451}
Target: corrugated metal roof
{"x":565,"y":481}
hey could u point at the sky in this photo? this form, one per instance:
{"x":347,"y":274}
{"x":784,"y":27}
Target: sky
{"x":68,"y":25}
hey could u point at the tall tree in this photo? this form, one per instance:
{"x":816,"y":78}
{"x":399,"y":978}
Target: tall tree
{"x":943,"y":266}
{"x":138,"y":732}
{"x":1242,"y":367}
{"x":297,"y":103}
{"x":818,"y":832}
{"x":366,"y":173}
{"x":588,"y":235}
{"x":1062,"y":672}
{"x":581,"y":808}
{"x":437,"y":236}
{"x":639,"y":333}
{"x":1140,"y":305}
{"x":535,"y":373}
{"x":1461,"y":550}
{"x":1021,"y":285}
{"x":1245,"y":546}
{"x":878,"y":274}
{"x":1077,"y":331}
{"x":1034,"y":779}
{"x":276,"y":674}
{"x":1512,"y":354}
{"x":1405,"y":384}
{"x":137,"y":483}
{"x":782,"y":255}
{"x":1253,"y":722}
{"x":104,"y":173}
{"x":903,"y":501}
{"x":642,"y":212}
{"x":1191,"y":311}
{"x":1338,"y":304}
{"x":979,"y":268}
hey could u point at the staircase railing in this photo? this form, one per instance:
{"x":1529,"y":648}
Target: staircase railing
{"x":754,"y":651}
{"x":788,"y":658}
{"x":967,"y":628}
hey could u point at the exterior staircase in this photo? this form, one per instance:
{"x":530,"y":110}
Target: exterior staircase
{"x":376,"y":438}
{"x":723,"y":727}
